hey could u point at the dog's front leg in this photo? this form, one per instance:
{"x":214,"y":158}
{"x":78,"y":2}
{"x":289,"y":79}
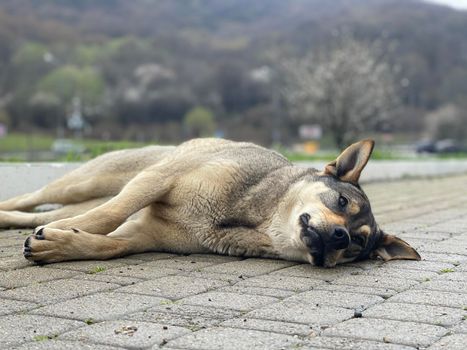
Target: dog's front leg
{"x":49,"y":245}
{"x":239,"y":241}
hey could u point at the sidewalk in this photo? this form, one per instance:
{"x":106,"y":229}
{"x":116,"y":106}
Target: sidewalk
{"x":214,"y":302}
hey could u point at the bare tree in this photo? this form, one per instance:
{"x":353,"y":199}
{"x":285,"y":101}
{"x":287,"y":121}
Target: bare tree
{"x":348,"y":89}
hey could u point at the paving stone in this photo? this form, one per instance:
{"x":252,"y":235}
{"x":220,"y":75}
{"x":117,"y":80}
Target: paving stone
{"x":229,"y":300}
{"x":382,"y":292}
{"x":178,"y":264}
{"x":446,"y":247}
{"x":100,"y":307}
{"x":244,"y":289}
{"x":17,"y":329}
{"x":453,"y":276}
{"x":443,"y":285}
{"x":406,"y":274}
{"x":352,"y":344}
{"x":53,"y":291}
{"x":332,"y":298}
{"x":249,"y":267}
{"x":189,"y":316}
{"x":34,"y":274}
{"x":100,"y":277}
{"x":134,"y":334}
{"x":54,"y":344}
{"x":299,"y":313}
{"x":454,"y":259}
{"x":310,"y":271}
{"x":138,"y":271}
{"x":89,"y":266}
{"x":296,"y":284}
{"x":9,"y":251}
{"x":173,"y":287}
{"x":12,"y":306}
{"x":235,"y":339}
{"x":230,"y":278}
{"x":211,"y":258}
{"x":193,"y":323}
{"x":461,"y":327}
{"x":269,"y":326}
{"x":451,"y":342}
{"x":14,"y":263}
{"x":437,"y":315}
{"x":390,"y":282}
{"x":417,"y":265}
{"x":12,"y":242}
{"x":431,"y":298}
{"x":388,"y":331}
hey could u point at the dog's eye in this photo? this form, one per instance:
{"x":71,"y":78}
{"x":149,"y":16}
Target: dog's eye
{"x":359,"y":240}
{"x":343,"y":202}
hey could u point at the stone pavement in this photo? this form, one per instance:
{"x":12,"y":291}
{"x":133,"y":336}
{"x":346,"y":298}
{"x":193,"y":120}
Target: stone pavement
{"x":152,"y":301}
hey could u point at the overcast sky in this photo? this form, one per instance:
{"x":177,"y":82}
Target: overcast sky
{"x":458,"y":4}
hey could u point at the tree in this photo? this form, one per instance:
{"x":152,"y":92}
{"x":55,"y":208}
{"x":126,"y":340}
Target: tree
{"x":199,"y":122}
{"x":347,"y":89}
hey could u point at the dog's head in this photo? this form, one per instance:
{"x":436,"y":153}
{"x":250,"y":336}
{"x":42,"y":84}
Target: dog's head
{"x":332,"y":215}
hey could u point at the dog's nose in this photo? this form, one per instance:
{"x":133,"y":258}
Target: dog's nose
{"x":340,"y":238}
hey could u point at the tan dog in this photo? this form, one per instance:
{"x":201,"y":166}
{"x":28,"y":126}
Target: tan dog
{"x":206,"y":195}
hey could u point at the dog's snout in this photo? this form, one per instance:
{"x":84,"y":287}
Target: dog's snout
{"x":340,"y":238}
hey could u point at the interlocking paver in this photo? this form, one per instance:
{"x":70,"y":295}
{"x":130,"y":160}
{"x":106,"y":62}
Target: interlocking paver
{"x":353,"y":344}
{"x":241,"y":302}
{"x":125,"y":333}
{"x":30,"y":275}
{"x":100,"y":307}
{"x":332,"y":298}
{"x":390,"y":282}
{"x":53,"y":291}
{"x":436,"y":315}
{"x":234,"y":339}
{"x":193,"y":317}
{"x":11,"y":306}
{"x":449,"y":299}
{"x":269,"y":326}
{"x":296,"y":284}
{"x":249,"y":267}
{"x":451,"y":342}
{"x":406,"y":333}
{"x":298,"y":313}
{"x":269,"y":292}
{"x":54,"y":344}
{"x":173,"y":287}
{"x":16,"y":329}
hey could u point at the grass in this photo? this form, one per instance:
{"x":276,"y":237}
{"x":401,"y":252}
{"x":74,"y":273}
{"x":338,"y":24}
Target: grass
{"x":446,"y":270}
{"x":24,"y":143}
{"x":16,"y":142}
{"x":96,"y":269}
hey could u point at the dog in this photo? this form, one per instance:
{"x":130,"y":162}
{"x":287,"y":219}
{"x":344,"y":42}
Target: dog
{"x":206,"y":196}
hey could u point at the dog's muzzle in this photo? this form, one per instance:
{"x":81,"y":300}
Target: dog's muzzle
{"x":318,"y":245}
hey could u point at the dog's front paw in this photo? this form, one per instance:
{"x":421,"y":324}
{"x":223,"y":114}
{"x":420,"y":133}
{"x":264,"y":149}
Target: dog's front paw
{"x":48,"y":245}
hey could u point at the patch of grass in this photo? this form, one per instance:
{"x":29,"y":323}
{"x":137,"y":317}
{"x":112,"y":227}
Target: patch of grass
{"x":45,"y":337}
{"x":89,"y":321}
{"x":446,"y":270}
{"x":96,"y":269}
{"x":24,"y":142}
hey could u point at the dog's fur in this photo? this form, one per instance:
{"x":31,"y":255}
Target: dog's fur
{"x":206,"y":195}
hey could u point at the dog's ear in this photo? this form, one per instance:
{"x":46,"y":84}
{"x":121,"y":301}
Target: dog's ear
{"x":391,"y":247}
{"x":350,"y":163}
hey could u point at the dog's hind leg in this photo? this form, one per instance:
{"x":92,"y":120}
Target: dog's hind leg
{"x":27,"y":219}
{"x":66,"y":190}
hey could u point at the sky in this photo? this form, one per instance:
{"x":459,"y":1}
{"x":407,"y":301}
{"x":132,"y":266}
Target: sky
{"x":458,"y":4}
